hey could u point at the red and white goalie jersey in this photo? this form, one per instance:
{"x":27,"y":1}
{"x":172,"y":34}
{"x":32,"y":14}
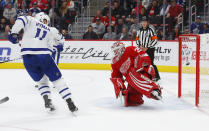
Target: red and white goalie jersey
{"x":135,"y":66}
{"x":132,"y":58}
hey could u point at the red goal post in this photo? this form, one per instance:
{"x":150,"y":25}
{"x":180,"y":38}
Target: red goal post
{"x":185,"y":42}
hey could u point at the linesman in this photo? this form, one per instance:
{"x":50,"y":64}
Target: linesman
{"x":147,"y":40}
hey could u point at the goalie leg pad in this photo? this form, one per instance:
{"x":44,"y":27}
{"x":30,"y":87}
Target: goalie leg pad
{"x":118,"y":85}
{"x":133,"y":97}
{"x":43,"y":86}
{"x":141,"y":83}
{"x":62,"y":88}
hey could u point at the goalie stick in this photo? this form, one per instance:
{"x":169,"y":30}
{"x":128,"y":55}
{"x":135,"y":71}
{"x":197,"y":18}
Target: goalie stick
{"x":3,"y":100}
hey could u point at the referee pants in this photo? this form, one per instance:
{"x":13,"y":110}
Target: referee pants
{"x":151,"y":53}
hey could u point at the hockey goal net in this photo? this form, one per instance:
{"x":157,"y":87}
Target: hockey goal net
{"x":193,"y":74}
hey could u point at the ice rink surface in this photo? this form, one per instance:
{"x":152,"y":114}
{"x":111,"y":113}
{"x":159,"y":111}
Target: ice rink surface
{"x":98,"y":109}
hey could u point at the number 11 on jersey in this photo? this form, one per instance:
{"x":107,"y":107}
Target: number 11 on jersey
{"x":38,"y":34}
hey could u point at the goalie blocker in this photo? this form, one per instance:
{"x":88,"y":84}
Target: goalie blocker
{"x":136,"y":67}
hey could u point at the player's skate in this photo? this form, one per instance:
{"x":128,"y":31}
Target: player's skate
{"x":71,"y":105}
{"x":156,"y":94}
{"x":48,"y":104}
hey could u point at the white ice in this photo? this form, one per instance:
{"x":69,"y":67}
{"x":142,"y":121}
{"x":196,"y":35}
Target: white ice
{"x":98,"y":109}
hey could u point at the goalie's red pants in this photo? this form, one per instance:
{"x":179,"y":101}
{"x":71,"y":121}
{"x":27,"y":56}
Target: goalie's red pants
{"x":141,"y":85}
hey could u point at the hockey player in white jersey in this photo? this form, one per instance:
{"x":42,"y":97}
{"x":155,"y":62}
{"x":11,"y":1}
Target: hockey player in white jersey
{"x":57,"y":42}
{"x":57,"y":49}
{"x":36,"y":49}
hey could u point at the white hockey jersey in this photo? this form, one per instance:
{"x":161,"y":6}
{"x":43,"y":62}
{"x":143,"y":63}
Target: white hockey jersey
{"x":38,"y":38}
{"x":58,"y":37}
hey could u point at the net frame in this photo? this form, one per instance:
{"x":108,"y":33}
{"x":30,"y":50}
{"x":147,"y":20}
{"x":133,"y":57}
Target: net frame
{"x":197,"y":69}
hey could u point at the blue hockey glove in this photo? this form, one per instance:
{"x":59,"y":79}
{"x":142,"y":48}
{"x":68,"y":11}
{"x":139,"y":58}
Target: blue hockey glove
{"x":59,"y":47}
{"x":13,"y":38}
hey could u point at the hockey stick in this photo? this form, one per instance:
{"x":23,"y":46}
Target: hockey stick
{"x":3,"y":100}
{"x":10,"y":60}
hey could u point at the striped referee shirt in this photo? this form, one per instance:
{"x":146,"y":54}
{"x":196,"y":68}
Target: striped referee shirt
{"x":146,"y":38}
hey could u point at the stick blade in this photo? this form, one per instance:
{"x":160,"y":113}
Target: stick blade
{"x":3,"y":100}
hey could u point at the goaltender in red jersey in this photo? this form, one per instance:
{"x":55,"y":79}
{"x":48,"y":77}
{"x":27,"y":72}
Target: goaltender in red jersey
{"x":133,"y":66}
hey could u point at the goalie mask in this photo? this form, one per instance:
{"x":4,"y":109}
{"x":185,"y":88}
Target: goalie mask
{"x":118,"y":48}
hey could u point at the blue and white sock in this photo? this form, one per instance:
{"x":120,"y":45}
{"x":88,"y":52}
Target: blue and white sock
{"x":62,"y":88}
{"x":44,"y":90}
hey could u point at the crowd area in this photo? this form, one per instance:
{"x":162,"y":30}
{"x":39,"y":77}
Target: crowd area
{"x":124,"y":19}
{"x":61,"y":12}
